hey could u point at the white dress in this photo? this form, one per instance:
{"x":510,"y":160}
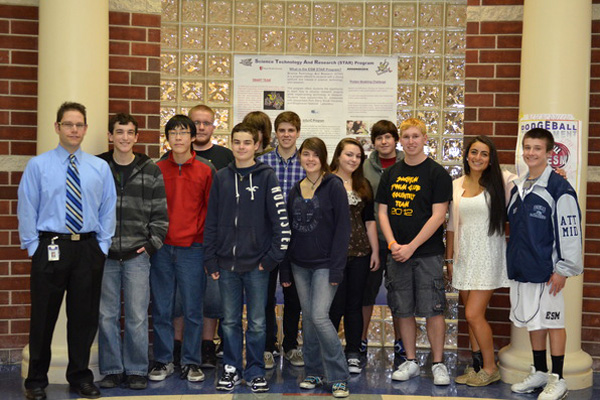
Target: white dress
{"x":481,"y":262}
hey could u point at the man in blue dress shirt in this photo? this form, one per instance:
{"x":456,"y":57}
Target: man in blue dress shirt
{"x":67,"y":218}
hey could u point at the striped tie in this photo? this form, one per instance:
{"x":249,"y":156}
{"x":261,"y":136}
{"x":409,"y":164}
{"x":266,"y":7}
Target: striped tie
{"x":74,"y":208}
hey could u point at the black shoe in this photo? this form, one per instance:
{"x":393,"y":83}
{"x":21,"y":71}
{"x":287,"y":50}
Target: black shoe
{"x":137,"y":382}
{"x":209,"y":356}
{"x":177,"y":353}
{"x":87,"y":390}
{"x":35,"y":394}
{"x":111,"y":381}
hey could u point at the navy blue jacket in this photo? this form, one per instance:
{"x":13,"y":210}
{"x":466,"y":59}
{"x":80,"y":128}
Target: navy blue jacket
{"x":545,"y":230}
{"x":246,"y":223}
{"x":320,"y":229}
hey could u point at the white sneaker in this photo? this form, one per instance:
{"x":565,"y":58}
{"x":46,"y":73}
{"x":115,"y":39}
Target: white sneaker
{"x":556,"y":389}
{"x":535,"y":380}
{"x":408,"y":369}
{"x":161,"y":371}
{"x":229,"y":380}
{"x":440,"y":374}
{"x":269,"y":360}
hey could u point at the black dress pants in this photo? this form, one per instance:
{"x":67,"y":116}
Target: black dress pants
{"x":291,"y":315}
{"x":78,"y":272}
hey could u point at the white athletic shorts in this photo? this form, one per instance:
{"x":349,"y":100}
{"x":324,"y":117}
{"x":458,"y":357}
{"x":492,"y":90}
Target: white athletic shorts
{"x":532,"y":306}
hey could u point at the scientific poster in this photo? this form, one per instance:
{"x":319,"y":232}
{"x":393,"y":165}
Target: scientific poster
{"x":335,"y":97}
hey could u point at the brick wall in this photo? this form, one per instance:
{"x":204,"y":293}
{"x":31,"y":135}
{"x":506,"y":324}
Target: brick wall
{"x":134,"y":87}
{"x":491,"y":108}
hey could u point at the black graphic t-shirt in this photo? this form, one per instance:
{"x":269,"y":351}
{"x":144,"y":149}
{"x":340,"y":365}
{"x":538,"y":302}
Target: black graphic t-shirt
{"x":410,"y":191}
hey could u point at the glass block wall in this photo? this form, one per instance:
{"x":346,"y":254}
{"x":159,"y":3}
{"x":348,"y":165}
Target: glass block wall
{"x":200,"y":37}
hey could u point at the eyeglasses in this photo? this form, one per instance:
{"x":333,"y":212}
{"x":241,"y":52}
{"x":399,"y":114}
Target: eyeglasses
{"x":180,"y":134}
{"x":70,"y":125}
{"x":205,"y":123}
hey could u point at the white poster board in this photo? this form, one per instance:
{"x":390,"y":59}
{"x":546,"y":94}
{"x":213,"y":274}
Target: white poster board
{"x":335,"y":97}
{"x":567,"y":144}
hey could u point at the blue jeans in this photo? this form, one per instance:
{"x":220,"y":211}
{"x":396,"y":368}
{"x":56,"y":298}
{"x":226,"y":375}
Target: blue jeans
{"x":182,"y":267}
{"x":234,"y":287}
{"x":212,"y":300}
{"x":130,"y":355}
{"x":322,"y":349}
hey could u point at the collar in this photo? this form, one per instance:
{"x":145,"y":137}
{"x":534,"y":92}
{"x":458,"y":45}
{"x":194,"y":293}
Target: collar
{"x":63,"y":154}
{"x":188,"y":161}
{"x":283,"y":160}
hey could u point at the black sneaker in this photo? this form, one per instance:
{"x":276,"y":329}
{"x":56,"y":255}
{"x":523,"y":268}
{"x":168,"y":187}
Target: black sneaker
{"x":229,"y":380}
{"x":258,"y":385}
{"x":111,"y":381}
{"x":136,"y":382}
{"x":399,"y":353}
{"x":209,"y":356}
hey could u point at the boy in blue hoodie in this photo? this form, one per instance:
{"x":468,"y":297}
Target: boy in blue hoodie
{"x":247,"y":234}
{"x":544,"y":249}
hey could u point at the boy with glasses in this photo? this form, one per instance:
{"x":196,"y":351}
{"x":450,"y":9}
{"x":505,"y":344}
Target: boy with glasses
{"x":180,"y":261}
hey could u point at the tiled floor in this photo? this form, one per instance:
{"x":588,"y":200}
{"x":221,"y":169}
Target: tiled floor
{"x":374,"y":383}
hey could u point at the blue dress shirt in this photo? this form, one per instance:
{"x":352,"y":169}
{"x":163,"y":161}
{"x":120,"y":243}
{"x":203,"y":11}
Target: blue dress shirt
{"x":42,"y":197}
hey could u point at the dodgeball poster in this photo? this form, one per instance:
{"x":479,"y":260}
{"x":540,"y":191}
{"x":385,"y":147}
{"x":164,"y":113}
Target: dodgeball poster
{"x":567,"y":144}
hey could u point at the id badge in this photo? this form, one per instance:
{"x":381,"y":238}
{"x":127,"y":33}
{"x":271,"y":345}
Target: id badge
{"x":53,"y":251}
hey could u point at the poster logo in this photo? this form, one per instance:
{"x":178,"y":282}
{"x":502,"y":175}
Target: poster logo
{"x":559,"y":156}
{"x":246,"y":61}
{"x":383,"y":67}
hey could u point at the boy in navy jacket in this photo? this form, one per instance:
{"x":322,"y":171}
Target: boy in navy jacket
{"x":543,"y":250}
{"x":247,"y":234}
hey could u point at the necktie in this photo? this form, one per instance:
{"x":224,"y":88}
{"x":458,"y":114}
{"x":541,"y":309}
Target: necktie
{"x":74,"y":207}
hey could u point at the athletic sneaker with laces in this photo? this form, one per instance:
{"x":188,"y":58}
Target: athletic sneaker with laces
{"x":160,"y":371}
{"x":311,"y":382}
{"x":462,"y":379}
{"x":340,"y":390}
{"x":482,"y":378}
{"x":269,"y":360}
{"x":555,"y":389}
{"x":229,"y":380}
{"x":192,"y":373}
{"x":533,"y":381}
{"x":258,"y":385}
{"x":295,"y":357}
{"x":354,"y":365}
{"x":440,"y":375}
{"x":407,"y":370}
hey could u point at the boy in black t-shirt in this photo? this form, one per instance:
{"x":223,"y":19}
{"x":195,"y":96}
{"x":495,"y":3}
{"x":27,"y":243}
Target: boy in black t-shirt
{"x":413,"y":198}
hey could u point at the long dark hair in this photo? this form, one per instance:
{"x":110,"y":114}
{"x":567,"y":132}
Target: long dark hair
{"x":492,"y":181}
{"x":360,"y":185}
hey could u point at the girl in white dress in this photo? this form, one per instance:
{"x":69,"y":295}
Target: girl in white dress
{"x":476,"y":249}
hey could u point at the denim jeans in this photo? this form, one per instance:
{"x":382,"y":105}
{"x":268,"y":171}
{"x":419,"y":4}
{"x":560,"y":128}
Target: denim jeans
{"x":212,"y":300}
{"x":234,"y":287}
{"x":130,"y":355}
{"x":182,"y":267}
{"x":322,"y":349}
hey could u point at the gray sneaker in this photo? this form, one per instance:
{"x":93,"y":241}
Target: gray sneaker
{"x":192,"y":373}
{"x":160,"y":371}
{"x":295,"y":357}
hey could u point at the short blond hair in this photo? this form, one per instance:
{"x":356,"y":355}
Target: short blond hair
{"x":202,"y":107}
{"x":413,"y":123}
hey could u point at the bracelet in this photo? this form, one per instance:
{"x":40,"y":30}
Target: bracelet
{"x":390,"y":245}
{"x":449,"y":261}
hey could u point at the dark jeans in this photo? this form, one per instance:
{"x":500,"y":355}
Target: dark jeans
{"x":348,"y":301}
{"x":291,"y":314}
{"x":79,"y":273}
